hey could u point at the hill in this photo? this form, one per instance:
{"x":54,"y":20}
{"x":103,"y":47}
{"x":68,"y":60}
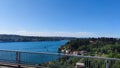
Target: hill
{"x":19,"y":38}
{"x":105,"y":47}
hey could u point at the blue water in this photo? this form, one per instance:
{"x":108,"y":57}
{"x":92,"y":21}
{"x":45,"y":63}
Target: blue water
{"x":44,"y":46}
{"x":31,"y":58}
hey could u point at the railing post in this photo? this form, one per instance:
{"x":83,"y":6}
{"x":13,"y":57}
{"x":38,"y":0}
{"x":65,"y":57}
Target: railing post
{"x":106,"y":64}
{"x":18,"y":57}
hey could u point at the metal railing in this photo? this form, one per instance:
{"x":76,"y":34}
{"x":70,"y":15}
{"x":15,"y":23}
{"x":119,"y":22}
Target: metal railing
{"x":57,"y":60}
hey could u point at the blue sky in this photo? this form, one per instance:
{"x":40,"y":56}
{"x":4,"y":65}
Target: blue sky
{"x":76,"y":18}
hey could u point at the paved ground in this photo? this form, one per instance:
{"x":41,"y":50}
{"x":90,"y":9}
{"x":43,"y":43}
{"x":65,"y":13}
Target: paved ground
{"x":21,"y":67}
{"x":8,"y":65}
{"x":14,"y":67}
{"x":5,"y":67}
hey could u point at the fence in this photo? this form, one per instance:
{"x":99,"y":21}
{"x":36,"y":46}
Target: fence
{"x":57,"y":60}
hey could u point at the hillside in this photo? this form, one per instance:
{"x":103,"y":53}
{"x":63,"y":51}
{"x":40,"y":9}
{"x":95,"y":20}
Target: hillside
{"x":18,"y":38}
{"x":105,"y":47}
{"x":101,"y":47}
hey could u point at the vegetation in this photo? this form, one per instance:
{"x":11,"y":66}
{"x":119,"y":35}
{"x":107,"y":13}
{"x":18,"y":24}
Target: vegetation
{"x":106,"y":47}
{"x":102,"y":47}
{"x":18,"y":38}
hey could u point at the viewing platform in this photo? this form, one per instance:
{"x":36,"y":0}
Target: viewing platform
{"x":21,"y":59}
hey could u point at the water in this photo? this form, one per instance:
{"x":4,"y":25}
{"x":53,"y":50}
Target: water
{"x":29,"y":58}
{"x":44,"y":46}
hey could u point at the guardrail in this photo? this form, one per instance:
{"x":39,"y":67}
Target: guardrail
{"x":57,"y":60}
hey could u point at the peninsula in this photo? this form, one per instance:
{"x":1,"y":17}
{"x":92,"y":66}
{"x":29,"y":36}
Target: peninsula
{"x":102,"y":47}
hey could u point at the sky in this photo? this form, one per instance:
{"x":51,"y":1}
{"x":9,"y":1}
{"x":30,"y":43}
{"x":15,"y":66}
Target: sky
{"x":69,"y":18}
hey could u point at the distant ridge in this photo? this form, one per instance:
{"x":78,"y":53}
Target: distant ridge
{"x":20,"y":38}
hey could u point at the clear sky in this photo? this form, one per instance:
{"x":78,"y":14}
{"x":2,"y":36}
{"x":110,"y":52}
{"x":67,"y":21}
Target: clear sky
{"x":76,"y":18}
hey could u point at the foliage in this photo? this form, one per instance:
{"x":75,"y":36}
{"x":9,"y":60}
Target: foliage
{"x":102,"y":47}
{"x":106,"y":47}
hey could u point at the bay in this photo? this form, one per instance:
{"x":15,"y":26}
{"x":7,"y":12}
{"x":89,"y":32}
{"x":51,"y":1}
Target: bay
{"x":43,"y":46}
{"x":31,"y":58}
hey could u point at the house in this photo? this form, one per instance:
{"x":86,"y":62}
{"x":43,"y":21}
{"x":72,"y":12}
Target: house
{"x":67,"y":51}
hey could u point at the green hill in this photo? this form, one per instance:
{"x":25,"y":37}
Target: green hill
{"x":106,"y":47}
